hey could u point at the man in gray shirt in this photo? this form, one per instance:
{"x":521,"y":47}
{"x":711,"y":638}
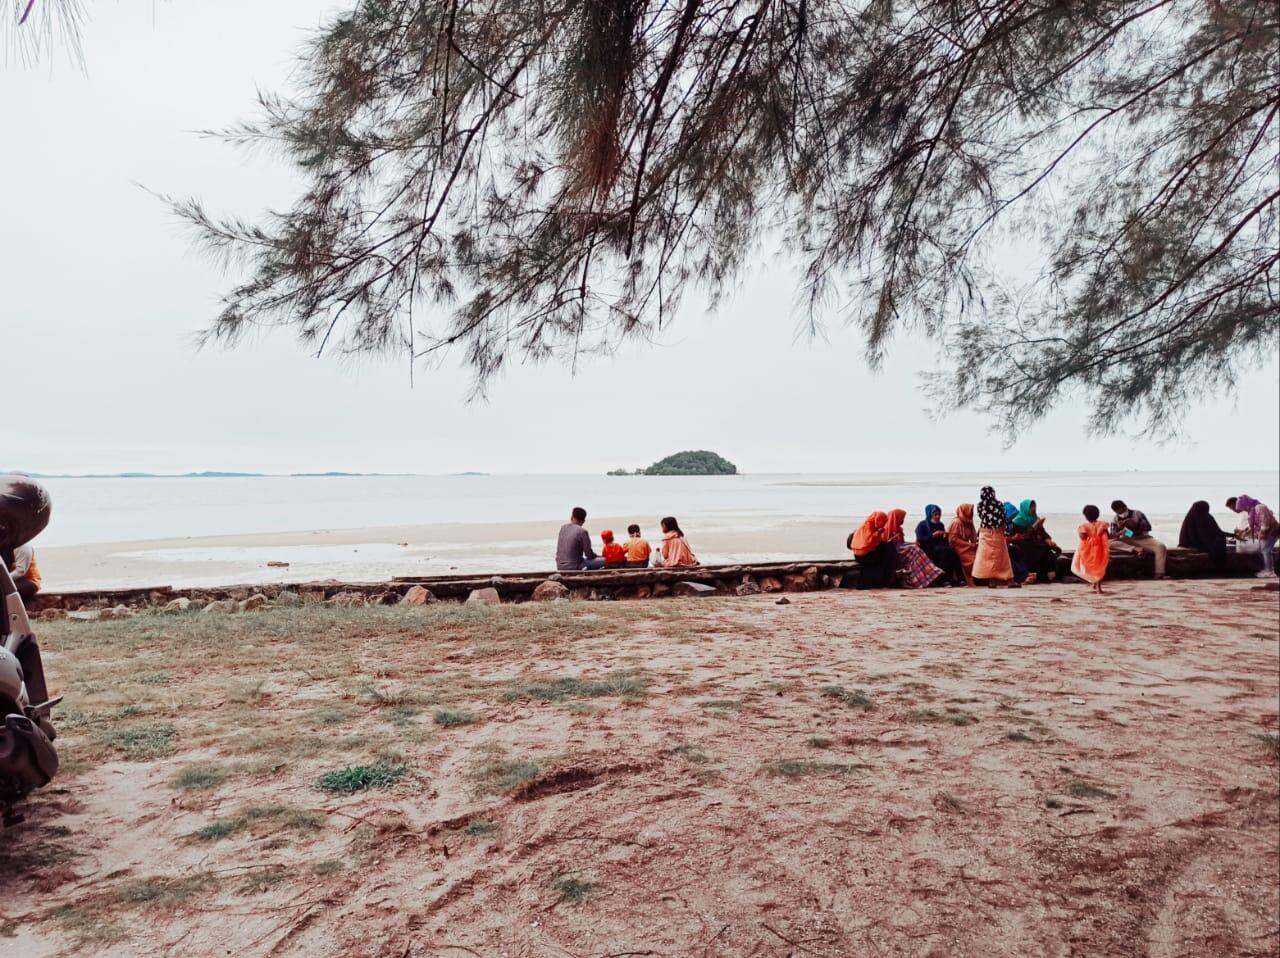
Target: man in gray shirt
{"x":573,"y":547}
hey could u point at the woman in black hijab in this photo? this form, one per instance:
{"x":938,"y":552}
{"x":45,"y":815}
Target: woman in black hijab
{"x":1200,"y":530}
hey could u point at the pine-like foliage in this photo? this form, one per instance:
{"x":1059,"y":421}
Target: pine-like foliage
{"x":521,"y":179}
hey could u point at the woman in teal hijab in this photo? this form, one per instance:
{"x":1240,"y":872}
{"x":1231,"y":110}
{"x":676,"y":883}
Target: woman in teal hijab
{"x":1038,"y":551}
{"x":1026,"y":516}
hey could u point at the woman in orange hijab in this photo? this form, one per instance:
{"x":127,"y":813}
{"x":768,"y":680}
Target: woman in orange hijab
{"x":963,"y":538}
{"x":877,"y":556}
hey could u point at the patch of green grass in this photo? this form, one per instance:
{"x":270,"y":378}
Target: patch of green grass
{"x":331,"y":715}
{"x":501,"y":775}
{"x":153,"y":678}
{"x":797,"y":767}
{"x":626,"y":685}
{"x":1017,"y":735}
{"x":853,"y":697}
{"x":358,"y":778}
{"x":719,"y":704}
{"x":216,"y":830}
{"x":1051,"y":802}
{"x":263,"y":879}
{"x":947,"y":802}
{"x":402,"y":714}
{"x":573,"y":889}
{"x":479,"y":826}
{"x":818,"y":741}
{"x":286,"y":816}
{"x":932,"y":717}
{"x":329,"y":866}
{"x":197,"y":778}
{"x":142,"y":743}
{"x":581,"y":708}
{"x":86,"y":928}
{"x":690,"y":753}
{"x":1079,"y":789}
{"x":161,"y":891}
{"x":1270,"y":740}
{"x":448,"y":717}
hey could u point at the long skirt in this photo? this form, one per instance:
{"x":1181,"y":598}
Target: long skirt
{"x":918,"y":571}
{"x":966,"y":551}
{"x":1091,"y":558}
{"x":992,"y":560}
{"x":945,"y":558}
{"x":877,"y":568}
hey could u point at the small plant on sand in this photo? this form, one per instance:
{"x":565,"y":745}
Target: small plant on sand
{"x":796,"y":767}
{"x":690,"y":753}
{"x":626,"y":685}
{"x":329,"y":866}
{"x":573,"y":889}
{"x":854,"y":697}
{"x":1017,"y":735}
{"x":358,"y":778}
{"x":1270,"y":741}
{"x":818,"y":741}
{"x":142,"y":743}
{"x":160,"y":891}
{"x":497,"y":774}
{"x":723,"y":704}
{"x":479,"y":826}
{"x":947,"y":802}
{"x":1079,"y":789}
{"x":197,"y":778}
{"x":215,"y":830}
{"x":950,"y":716}
{"x":448,"y":718}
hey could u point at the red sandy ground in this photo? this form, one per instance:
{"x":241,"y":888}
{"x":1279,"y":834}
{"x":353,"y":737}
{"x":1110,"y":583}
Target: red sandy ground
{"x":1142,"y":816}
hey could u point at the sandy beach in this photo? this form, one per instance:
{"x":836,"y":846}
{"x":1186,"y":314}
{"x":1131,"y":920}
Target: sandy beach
{"x":947,"y":773}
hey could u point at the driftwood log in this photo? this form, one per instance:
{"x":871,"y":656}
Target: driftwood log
{"x":741,"y":578}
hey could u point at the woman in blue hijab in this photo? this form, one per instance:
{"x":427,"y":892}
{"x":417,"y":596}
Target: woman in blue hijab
{"x":1016,"y":558}
{"x":931,"y":536}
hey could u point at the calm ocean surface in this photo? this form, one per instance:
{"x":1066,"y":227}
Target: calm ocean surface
{"x":114,"y":510}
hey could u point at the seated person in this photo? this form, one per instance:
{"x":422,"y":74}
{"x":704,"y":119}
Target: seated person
{"x":573,"y":547}
{"x":613,"y":553}
{"x":638,"y":548}
{"x":26,"y":576}
{"x":1132,"y":528}
{"x":1036,"y":547}
{"x":914,"y":566}
{"x":675,"y":550}
{"x":1200,"y":531}
{"x":931,"y":536}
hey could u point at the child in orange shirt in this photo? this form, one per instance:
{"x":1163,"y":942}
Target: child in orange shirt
{"x":615,"y":555}
{"x":638,"y":549}
{"x":1093,"y":553}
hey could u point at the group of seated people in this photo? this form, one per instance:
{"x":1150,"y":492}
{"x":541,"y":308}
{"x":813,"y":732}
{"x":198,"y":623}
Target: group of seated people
{"x":574,"y":552}
{"x":1009,"y":545}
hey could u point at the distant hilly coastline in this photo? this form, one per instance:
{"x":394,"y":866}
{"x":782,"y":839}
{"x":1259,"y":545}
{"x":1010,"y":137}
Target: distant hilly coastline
{"x":212,"y":474}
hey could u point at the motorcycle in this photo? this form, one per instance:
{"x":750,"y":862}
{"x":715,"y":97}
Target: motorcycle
{"x":28,"y":759}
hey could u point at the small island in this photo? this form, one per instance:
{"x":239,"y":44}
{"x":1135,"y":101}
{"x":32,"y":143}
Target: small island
{"x":697,"y":462}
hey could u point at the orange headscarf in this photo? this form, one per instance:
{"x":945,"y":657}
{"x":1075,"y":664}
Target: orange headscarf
{"x":870,"y":535}
{"x":962,"y":525}
{"x":893,"y":531}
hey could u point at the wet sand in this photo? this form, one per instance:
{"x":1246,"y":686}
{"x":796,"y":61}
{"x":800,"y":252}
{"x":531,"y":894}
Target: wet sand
{"x":967,"y":772}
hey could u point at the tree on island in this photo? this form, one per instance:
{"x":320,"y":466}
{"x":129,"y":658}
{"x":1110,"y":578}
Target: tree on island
{"x":696,"y":462}
{"x":525,"y":180}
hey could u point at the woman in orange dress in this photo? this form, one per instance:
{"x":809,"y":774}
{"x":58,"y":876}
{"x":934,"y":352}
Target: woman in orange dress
{"x":963,"y":538}
{"x":1094,"y":551}
{"x":991,"y":562}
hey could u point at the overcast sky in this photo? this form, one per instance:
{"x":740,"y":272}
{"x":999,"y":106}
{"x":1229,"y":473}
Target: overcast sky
{"x":101,"y":296}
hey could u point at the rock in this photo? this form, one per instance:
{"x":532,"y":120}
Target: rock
{"x":554,"y":577}
{"x":770,"y":584}
{"x":177,"y":606}
{"x":277,"y":564}
{"x":783,"y":601}
{"x":255,"y":601}
{"x":795,"y":583}
{"x":385,"y":598}
{"x":484,"y":597}
{"x":418,"y":595}
{"x":50,"y":614}
{"x":349,"y":600}
{"x":85,"y":615}
{"x":660,"y":589}
{"x":693,"y":589}
{"x":749,"y":586}
{"x":811,"y":577}
{"x":224,"y":606}
{"x":288,"y":599}
{"x":117,"y":612}
{"x":549,"y":591}
{"x":313,"y":596}
{"x":644,"y":591}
